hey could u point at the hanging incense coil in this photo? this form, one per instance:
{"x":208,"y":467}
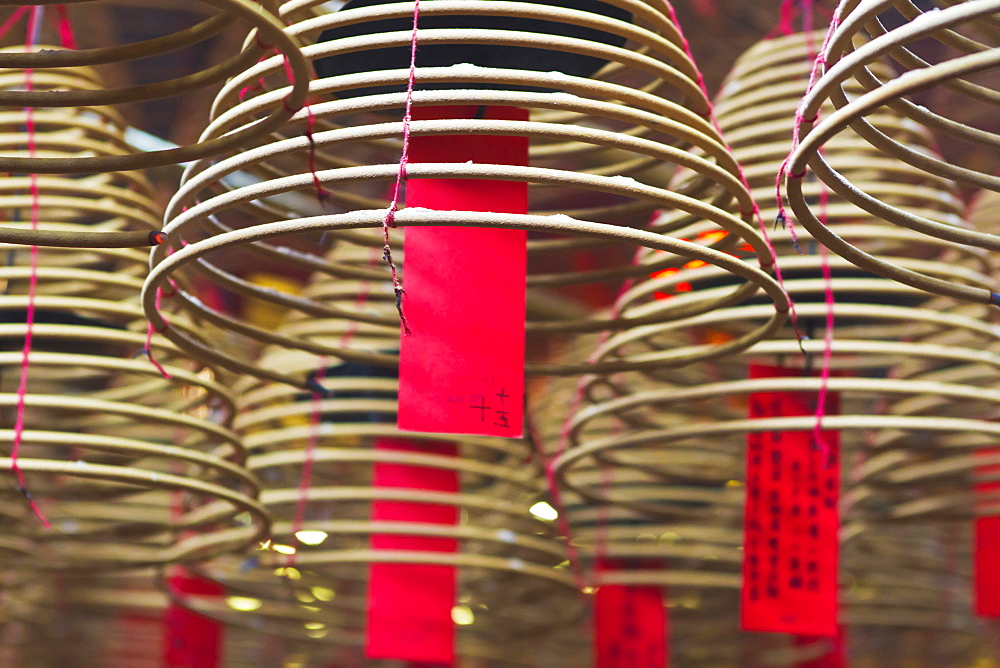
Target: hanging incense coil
{"x":909,"y":371}
{"x":602,"y":150}
{"x":51,"y":66}
{"x":126,"y":463}
{"x":506,"y":559}
{"x":950,"y":39}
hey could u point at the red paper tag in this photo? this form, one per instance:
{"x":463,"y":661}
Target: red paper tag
{"x":461,"y":370}
{"x":986,"y":548}
{"x":191,"y":640}
{"x":791,"y":521}
{"x":630,"y":626}
{"x":409,"y":605}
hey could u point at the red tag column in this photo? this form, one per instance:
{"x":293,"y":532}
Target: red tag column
{"x":630,"y":626}
{"x":461,"y":369}
{"x":191,"y":640}
{"x":409,"y":605}
{"x":792,"y":519}
{"x":986,"y":546}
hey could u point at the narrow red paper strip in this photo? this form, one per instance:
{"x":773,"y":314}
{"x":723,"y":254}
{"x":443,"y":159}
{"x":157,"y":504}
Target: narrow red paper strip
{"x":461,"y":368}
{"x":191,"y":640}
{"x":986,"y":545}
{"x":630,"y":626}
{"x":409,"y":605}
{"x":791,"y":520}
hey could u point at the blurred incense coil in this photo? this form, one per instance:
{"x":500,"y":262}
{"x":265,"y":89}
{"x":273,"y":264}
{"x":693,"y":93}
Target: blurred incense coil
{"x":51,"y":67}
{"x":309,"y":582}
{"x":940,"y":48}
{"x":602,"y":149}
{"x":664,"y":449}
{"x":126,"y":463}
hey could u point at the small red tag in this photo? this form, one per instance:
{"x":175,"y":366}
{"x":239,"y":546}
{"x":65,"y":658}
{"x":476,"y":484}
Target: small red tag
{"x":461,"y":369}
{"x":791,"y":520}
{"x":191,"y":640}
{"x":409,"y":605}
{"x":630,"y":626}
{"x":986,"y":547}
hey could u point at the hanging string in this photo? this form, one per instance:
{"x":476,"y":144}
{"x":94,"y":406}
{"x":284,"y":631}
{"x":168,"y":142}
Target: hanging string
{"x":34,"y":26}
{"x":66,"y":38}
{"x":793,"y":315}
{"x":404,"y":157}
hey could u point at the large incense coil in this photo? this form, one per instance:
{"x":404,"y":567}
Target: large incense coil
{"x":507,"y":560}
{"x":50,"y":65}
{"x":126,"y":463}
{"x":609,"y":141}
{"x":848,"y":64}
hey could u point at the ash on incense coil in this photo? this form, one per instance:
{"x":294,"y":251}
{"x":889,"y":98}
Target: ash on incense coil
{"x":948,"y":37}
{"x":107,"y":440}
{"x":507,"y":559}
{"x":602,"y":150}
{"x":52,"y":65}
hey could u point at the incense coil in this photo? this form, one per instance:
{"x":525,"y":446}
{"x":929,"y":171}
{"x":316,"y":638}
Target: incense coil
{"x":107,"y":440}
{"x":846,"y":65}
{"x":507,"y":559}
{"x":608,"y":141}
{"x":266,"y":34}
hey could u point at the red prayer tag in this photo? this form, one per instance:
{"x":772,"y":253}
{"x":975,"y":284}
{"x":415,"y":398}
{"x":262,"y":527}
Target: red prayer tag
{"x":409,"y":605}
{"x":791,"y":520}
{"x":461,"y":369}
{"x":630,"y":626}
{"x":986,"y":546}
{"x":191,"y":640}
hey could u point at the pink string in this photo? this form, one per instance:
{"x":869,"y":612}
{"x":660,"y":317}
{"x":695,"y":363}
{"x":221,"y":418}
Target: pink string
{"x":404,"y":158}
{"x":743,"y":178}
{"x":34,"y":18}
{"x":321,"y":193}
{"x":14,"y":18}
{"x":66,"y":38}
{"x":148,"y":349}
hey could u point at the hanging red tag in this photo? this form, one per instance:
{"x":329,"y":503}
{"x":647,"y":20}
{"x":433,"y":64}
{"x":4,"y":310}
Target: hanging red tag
{"x":191,"y":640}
{"x":409,"y":605}
{"x":986,"y":547}
{"x":833,"y":658}
{"x":461,"y":369}
{"x":630,"y":626}
{"x":791,"y":520}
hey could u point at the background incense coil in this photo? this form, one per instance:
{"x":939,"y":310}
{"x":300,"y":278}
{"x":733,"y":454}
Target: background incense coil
{"x":106,"y":437}
{"x":958,"y":59}
{"x":602,"y":151}
{"x":50,"y":62}
{"x":911,"y":371}
{"x":507,"y":559}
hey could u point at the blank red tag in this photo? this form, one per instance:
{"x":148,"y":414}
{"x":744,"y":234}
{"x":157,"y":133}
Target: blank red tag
{"x":191,"y":640}
{"x":986,"y":548}
{"x":409,"y":605}
{"x":630,"y":626}
{"x":461,"y":370}
{"x":791,"y":521}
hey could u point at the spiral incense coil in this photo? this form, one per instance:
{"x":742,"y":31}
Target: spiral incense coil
{"x":602,"y":148}
{"x":951,"y":31}
{"x":507,"y":559}
{"x":51,"y":65}
{"x":127,"y":464}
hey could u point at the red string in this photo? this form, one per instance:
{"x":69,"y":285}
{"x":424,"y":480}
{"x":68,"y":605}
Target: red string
{"x":305,"y":481}
{"x":22,"y":389}
{"x":321,"y":193}
{"x":66,"y":38}
{"x":14,"y":18}
{"x":149,"y":336}
{"x":404,"y":157}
